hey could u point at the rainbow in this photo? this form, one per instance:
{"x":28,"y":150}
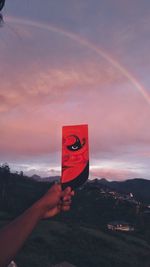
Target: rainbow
{"x":86,"y":44}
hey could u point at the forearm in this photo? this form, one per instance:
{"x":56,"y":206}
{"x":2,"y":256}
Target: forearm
{"x":13,"y":236}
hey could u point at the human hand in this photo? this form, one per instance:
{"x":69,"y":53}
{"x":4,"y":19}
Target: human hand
{"x":56,"y":200}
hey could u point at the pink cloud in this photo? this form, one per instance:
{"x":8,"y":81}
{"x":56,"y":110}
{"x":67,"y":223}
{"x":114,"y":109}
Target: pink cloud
{"x":37,"y":86}
{"x":36,"y":106}
{"x":36,"y":99}
{"x":114,"y":174}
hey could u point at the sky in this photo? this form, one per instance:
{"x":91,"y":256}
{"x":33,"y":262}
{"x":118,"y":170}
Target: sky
{"x":66,"y":62}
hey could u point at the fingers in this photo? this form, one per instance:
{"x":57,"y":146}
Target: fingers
{"x":65,"y":208}
{"x":65,"y":202}
{"x":72,"y":193}
{"x":68,"y":192}
{"x":66,"y":205}
{"x":66,"y":199}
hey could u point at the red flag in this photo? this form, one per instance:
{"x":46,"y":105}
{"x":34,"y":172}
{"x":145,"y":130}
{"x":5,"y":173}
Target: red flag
{"x":75,"y":155}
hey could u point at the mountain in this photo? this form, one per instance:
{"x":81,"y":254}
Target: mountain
{"x":50,"y":179}
{"x":53,"y":242}
{"x":80,"y":236}
{"x":139,"y":187}
{"x":36,"y":177}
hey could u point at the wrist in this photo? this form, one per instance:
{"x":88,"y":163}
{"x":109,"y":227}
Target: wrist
{"x":40,"y":208}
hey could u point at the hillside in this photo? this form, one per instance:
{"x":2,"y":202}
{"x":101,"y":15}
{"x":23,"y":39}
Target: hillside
{"x":139,"y":187}
{"x":80,"y":236}
{"x":54,"y":242}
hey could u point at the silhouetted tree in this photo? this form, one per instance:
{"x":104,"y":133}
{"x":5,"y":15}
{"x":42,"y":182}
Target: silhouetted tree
{"x":2,"y":3}
{"x":21,"y":173}
{"x":1,"y":20}
{"x":4,"y":182}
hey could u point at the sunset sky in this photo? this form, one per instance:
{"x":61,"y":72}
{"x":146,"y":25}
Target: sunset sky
{"x":68,"y":62}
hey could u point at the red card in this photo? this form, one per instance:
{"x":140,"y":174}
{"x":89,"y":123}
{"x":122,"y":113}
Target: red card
{"x":75,"y":155}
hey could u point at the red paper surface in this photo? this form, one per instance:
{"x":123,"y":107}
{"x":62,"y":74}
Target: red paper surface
{"x":75,"y":153}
